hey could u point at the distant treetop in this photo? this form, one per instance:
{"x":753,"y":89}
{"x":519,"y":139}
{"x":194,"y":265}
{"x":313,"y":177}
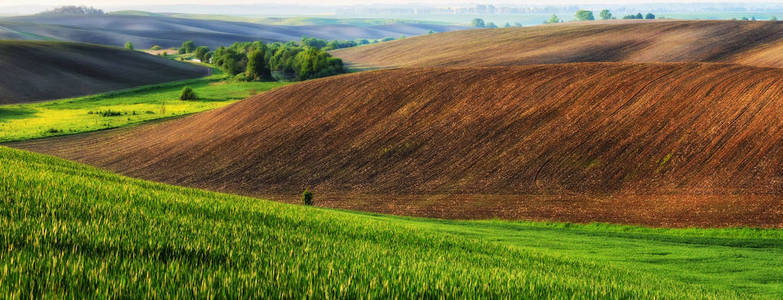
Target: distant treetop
{"x":72,"y":10}
{"x":478,"y":23}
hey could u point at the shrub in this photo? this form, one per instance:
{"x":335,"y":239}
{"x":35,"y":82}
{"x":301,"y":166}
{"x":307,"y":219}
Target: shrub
{"x":187,"y":47}
{"x":109,"y":113}
{"x":605,"y":14}
{"x":155,"y":47}
{"x":307,"y":197}
{"x":584,"y":15}
{"x":187,"y":94}
{"x":129,"y":45}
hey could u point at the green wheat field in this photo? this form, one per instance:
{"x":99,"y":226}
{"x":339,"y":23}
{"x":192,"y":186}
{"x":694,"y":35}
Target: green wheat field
{"x":73,"y":231}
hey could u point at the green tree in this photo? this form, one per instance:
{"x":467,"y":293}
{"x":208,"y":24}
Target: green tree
{"x":491,"y":25}
{"x":773,"y":18}
{"x":478,"y":23}
{"x":639,"y":16}
{"x":187,"y":93}
{"x":553,"y":19}
{"x":649,"y":16}
{"x":257,"y":68}
{"x":313,"y":42}
{"x":307,"y":197}
{"x":201,"y":53}
{"x":605,"y":14}
{"x":584,"y":15}
{"x":155,"y":47}
{"x":187,"y":47}
{"x":129,"y":45}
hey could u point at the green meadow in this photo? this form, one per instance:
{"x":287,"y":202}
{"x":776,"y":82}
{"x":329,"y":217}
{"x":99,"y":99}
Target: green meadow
{"x":73,"y":231}
{"x":121,"y":108}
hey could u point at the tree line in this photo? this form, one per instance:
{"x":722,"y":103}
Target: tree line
{"x":479,"y":23}
{"x":581,"y":15}
{"x":259,"y":61}
{"x":587,"y":15}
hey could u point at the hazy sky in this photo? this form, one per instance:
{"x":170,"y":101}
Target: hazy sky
{"x":110,"y":3}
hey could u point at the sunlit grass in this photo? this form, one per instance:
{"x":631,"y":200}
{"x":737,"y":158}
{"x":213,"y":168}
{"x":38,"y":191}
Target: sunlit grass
{"x":83,"y":114}
{"x":74,"y":231}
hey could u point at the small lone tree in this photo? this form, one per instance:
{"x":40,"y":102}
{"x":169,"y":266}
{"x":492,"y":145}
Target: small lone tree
{"x":584,"y":15}
{"x":553,"y":19}
{"x":155,"y":47}
{"x":307,"y":197}
{"x":605,"y":14}
{"x":478,"y":23}
{"x":187,"y":94}
{"x":129,"y":45}
{"x":649,"y":16}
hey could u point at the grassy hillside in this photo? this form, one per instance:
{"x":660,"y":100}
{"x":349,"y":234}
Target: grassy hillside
{"x":121,"y":108}
{"x":75,"y":231}
{"x":52,"y":70}
{"x":615,"y":41}
{"x":572,"y":130}
{"x":146,"y":30}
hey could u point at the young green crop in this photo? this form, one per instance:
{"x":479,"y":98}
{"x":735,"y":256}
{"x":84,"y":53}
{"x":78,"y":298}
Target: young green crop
{"x":132,"y":106}
{"x":74,"y":231}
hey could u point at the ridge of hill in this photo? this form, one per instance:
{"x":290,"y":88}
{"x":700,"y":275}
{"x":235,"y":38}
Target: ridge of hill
{"x":752,"y":43}
{"x":144,"y":31}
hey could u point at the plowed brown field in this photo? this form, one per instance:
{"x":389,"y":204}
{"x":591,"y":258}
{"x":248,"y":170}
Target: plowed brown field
{"x":604,"y":138}
{"x":753,"y":43}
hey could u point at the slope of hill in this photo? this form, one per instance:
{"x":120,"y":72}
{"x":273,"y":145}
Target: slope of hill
{"x":616,"y":41}
{"x":148,"y":30}
{"x":50,"y":70}
{"x":573,"y":129}
{"x":89,"y":228}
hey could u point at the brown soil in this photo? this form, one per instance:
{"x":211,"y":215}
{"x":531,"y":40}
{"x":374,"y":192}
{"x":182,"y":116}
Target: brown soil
{"x":752,"y":43}
{"x":704,"y":141}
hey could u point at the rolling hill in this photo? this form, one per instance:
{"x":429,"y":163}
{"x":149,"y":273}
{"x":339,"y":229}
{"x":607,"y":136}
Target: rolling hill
{"x":64,"y":222}
{"x":603,"y":130}
{"x":51,"y":70}
{"x":144,"y":31}
{"x":753,"y":43}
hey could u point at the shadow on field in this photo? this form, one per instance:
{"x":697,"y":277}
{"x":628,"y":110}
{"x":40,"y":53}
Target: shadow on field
{"x":7,"y":114}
